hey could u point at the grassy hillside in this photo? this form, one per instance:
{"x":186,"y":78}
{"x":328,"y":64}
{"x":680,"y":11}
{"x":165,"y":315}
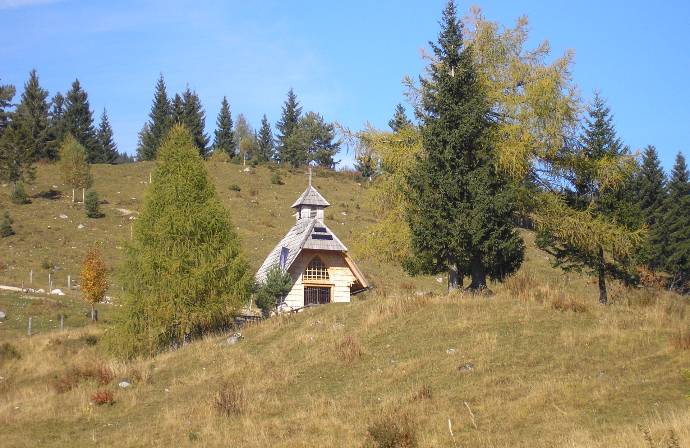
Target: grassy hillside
{"x":538,"y":364}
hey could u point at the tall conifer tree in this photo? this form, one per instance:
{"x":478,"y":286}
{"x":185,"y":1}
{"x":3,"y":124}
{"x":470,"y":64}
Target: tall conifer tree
{"x":650,"y":192}
{"x":184,"y":272}
{"x":287,"y":124}
{"x":177,"y":107}
{"x":194,"y":118}
{"x":676,"y":225}
{"x":399,"y":119}
{"x":32,"y":115}
{"x":57,"y":129}
{"x":158,"y":125}
{"x":265,"y":140}
{"x":461,"y":207}
{"x":7,"y":92}
{"x":109,"y":152}
{"x":223,"y":136}
{"x":79,"y":120}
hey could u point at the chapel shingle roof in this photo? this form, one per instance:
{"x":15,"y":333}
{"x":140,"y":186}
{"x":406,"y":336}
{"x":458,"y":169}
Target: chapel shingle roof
{"x":311,"y":197}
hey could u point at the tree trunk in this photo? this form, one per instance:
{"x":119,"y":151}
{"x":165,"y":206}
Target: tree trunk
{"x":601,"y":268}
{"x":94,"y":313}
{"x":478,"y":275}
{"x":454,"y":280}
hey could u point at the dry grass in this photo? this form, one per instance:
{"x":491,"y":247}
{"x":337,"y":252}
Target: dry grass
{"x":349,"y":349}
{"x":103,"y":396}
{"x":394,"y":430}
{"x":230,"y":400}
{"x":681,"y":340}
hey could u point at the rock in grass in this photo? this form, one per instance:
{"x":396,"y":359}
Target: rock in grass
{"x":234,"y":338}
{"x":124,"y":384}
{"x":2,"y":315}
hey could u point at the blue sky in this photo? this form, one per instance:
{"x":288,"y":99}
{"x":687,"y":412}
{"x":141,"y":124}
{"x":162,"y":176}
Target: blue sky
{"x":345,"y":59}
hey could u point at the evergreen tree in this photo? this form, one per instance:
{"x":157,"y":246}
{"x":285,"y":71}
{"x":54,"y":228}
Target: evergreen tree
{"x":650,"y":192}
{"x":399,"y":120}
{"x":160,"y":120}
{"x":7,"y":92}
{"x":266,"y":146}
{"x":6,"y":225}
{"x":79,"y":120}
{"x":32,"y":115}
{"x":177,"y":109}
{"x":57,"y":128}
{"x":105,"y":140}
{"x":288,"y":122}
{"x":274,"y":289}
{"x":607,"y":200}
{"x":223,"y":137}
{"x":676,"y":225}
{"x":312,"y":141}
{"x":16,"y":155}
{"x":194,"y":119}
{"x":184,"y":272}
{"x":92,"y":205}
{"x":461,"y":207}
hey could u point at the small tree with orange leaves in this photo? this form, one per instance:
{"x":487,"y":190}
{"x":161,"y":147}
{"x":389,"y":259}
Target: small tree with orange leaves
{"x":93,"y":280}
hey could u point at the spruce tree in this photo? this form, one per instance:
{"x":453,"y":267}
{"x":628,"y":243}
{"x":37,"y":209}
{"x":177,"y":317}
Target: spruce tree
{"x":6,"y":225}
{"x":16,"y":155}
{"x":194,"y":119}
{"x":287,"y":124}
{"x":184,"y":272}
{"x":399,"y":120}
{"x":177,"y":109}
{"x":676,"y":225}
{"x":105,"y":140}
{"x":32,"y":115}
{"x":265,"y":142}
{"x":650,"y":192}
{"x":57,"y":128}
{"x":79,"y":120}
{"x":313,"y":141}
{"x":7,"y":92}
{"x":158,"y":125}
{"x":223,"y":136}
{"x":461,"y":207}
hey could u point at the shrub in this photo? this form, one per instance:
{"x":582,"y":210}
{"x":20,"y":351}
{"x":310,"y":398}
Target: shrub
{"x":94,"y":283}
{"x":230,"y":399}
{"x":276,"y":178}
{"x":392,"y":431}
{"x":103,"y":396}
{"x":18,"y":195}
{"x":235,"y":187}
{"x":6,"y":226}
{"x":92,"y":205}
{"x":270,"y":293}
{"x":97,"y":372}
{"x":8,"y":351}
{"x":45,"y":264}
{"x":349,"y":349}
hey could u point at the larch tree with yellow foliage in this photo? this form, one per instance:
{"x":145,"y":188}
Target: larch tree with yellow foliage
{"x":93,"y":281}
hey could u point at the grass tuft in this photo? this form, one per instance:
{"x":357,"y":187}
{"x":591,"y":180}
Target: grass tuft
{"x":103,"y":396}
{"x":393,"y":430}
{"x":349,"y":349}
{"x":230,"y":400}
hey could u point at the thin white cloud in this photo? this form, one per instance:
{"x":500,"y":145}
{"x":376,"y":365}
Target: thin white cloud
{"x":15,"y":4}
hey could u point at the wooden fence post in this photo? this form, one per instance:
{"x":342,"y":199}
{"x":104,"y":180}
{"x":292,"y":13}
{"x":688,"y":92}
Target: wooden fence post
{"x":69,"y":282}
{"x":28,"y":331}
{"x":50,"y":283}
{"x":62,"y":322}
{"x":31,"y":277}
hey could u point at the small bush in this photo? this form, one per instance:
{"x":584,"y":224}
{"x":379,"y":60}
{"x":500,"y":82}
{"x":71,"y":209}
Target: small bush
{"x":92,"y":205}
{"x":230,"y":399}
{"x":276,"y":178}
{"x":392,"y":431}
{"x":18,"y":195}
{"x":235,"y":187}
{"x":567,"y":304}
{"x":8,"y":351}
{"x":269,"y":294}
{"x":103,"y":396}
{"x":45,"y":264}
{"x":681,"y":340}
{"x":349,"y":349}
{"x":99,"y":373}
{"x":90,"y":339}
{"x":6,"y":226}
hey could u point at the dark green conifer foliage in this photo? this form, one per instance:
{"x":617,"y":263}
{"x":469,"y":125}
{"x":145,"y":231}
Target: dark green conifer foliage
{"x":223,"y":139}
{"x":158,"y":125}
{"x":32,"y":115}
{"x":6,"y":226}
{"x":184,"y":272}
{"x":676,"y":226}
{"x":16,"y":155}
{"x":612,"y":203}
{"x":109,"y":152}
{"x":79,"y":120}
{"x":7,"y":92}
{"x":313,"y":141}
{"x":399,"y":120}
{"x":92,"y":205}
{"x":177,"y":109}
{"x":650,"y":192}
{"x":288,"y":122}
{"x":461,"y":207}
{"x":273,"y":291}
{"x":194,"y":119}
{"x":57,"y":128}
{"x":266,"y":149}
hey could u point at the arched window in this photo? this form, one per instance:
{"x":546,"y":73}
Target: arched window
{"x":316,"y":270}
